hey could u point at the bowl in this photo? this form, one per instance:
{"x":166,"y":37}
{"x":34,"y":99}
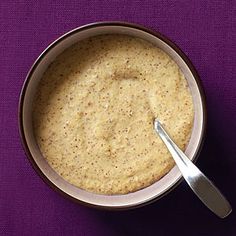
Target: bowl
{"x":39,"y":163}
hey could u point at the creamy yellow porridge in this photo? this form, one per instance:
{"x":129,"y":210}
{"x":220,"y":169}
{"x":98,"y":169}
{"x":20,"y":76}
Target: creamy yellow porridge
{"x":94,"y":110}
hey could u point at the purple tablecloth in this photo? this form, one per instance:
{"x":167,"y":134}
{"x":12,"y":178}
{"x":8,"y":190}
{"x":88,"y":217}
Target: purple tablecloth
{"x":206,"y":32}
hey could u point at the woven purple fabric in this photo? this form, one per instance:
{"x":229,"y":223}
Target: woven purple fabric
{"x":206,"y":32}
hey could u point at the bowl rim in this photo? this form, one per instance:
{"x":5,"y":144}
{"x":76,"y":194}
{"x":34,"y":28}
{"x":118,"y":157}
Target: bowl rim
{"x":51,"y":46}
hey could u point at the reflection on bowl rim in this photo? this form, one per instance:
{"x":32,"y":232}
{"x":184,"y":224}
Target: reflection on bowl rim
{"x":82,"y":28}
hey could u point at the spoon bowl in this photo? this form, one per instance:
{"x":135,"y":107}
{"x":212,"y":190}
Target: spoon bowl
{"x":206,"y":191}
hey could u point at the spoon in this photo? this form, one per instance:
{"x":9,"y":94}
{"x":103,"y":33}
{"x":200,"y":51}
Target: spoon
{"x":206,"y":191}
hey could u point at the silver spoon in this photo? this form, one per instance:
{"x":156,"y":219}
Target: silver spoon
{"x":206,"y":191}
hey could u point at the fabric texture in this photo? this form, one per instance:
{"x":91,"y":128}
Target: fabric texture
{"x":204,"y":30}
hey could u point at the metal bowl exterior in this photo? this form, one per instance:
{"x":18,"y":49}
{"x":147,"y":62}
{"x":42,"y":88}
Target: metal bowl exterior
{"x":29,"y":77}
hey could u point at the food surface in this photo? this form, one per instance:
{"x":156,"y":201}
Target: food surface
{"x":94,"y":111}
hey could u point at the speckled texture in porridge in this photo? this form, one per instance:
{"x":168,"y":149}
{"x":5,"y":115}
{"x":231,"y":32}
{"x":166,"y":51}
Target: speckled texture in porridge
{"x":94,"y":111}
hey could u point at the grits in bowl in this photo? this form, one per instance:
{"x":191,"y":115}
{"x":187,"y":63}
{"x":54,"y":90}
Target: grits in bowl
{"x":94,"y":108}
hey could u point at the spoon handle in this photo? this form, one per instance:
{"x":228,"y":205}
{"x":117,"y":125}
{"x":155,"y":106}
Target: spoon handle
{"x":206,"y":191}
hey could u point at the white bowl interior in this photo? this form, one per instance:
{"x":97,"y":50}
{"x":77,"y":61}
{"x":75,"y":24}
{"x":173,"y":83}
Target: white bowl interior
{"x":115,"y":201}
